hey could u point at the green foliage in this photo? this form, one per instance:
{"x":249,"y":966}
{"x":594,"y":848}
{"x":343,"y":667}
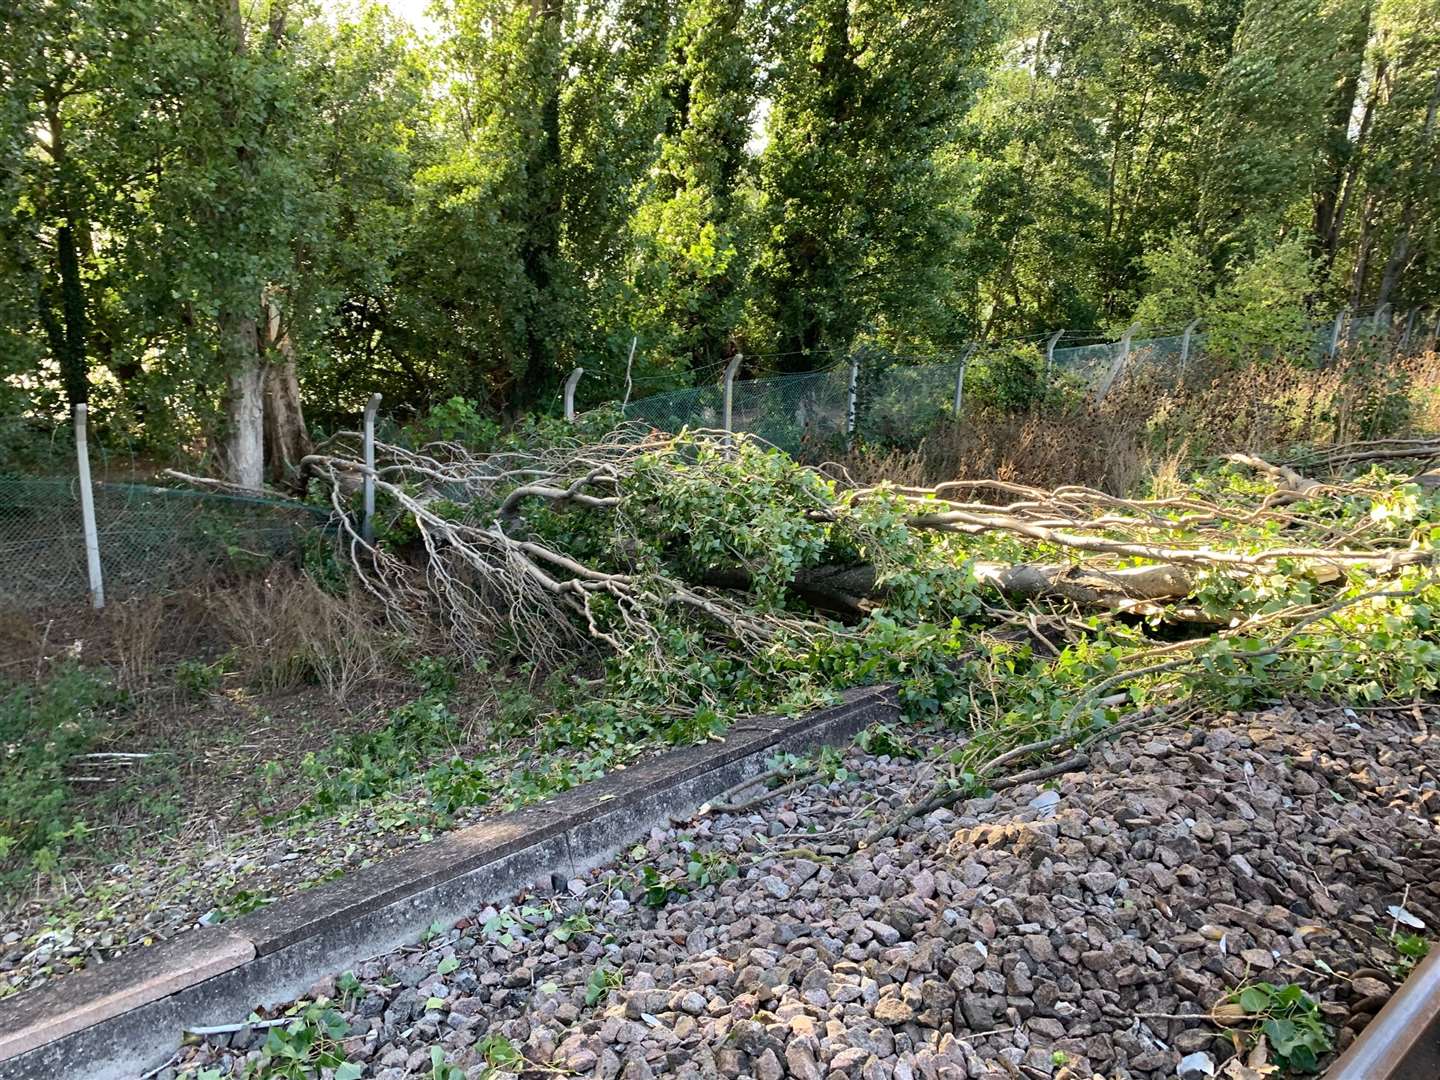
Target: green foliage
{"x":300,"y":1049}
{"x":1009,"y":378}
{"x":599,"y":984}
{"x":368,"y":764}
{"x":1263,"y":310}
{"x":41,"y":728}
{"x":1290,"y":1021}
{"x":1176,"y":283}
{"x":199,"y":679}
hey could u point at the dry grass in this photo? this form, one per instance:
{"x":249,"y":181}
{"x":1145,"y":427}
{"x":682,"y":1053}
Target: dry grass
{"x":286,"y":631}
{"x":1147,"y":433}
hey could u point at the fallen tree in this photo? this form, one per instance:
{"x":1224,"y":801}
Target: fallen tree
{"x":708,"y":576}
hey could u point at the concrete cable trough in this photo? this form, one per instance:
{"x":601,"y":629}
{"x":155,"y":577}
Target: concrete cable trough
{"x":126,"y":1017}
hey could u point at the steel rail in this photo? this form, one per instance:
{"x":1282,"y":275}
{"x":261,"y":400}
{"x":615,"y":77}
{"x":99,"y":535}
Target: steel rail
{"x":1403,"y":1041}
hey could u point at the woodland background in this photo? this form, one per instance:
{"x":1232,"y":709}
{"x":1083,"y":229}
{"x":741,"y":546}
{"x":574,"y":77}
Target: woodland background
{"x":215,"y":212}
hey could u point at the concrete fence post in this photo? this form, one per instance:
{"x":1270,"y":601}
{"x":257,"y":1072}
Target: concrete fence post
{"x":731,"y":370}
{"x":87,"y":507}
{"x":367,"y":520}
{"x":570,"y":385}
{"x":1050,"y":344}
{"x":959,"y":402}
{"x":1122,"y":357}
{"x":1335,"y":331}
{"x":1185,"y":341}
{"x":852,"y":397}
{"x":1409,"y":328}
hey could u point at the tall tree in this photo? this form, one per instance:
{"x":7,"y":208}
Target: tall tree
{"x":856,"y":223}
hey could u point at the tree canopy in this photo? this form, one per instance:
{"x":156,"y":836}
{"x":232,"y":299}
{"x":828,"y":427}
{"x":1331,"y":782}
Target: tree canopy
{"x":218,"y":219}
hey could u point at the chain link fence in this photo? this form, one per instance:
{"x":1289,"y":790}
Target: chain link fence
{"x":897,"y":397}
{"x":150,"y":538}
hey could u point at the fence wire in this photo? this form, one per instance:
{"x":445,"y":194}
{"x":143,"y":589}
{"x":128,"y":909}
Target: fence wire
{"x":151,"y":538}
{"x":154,"y":538}
{"x":898,"y":397}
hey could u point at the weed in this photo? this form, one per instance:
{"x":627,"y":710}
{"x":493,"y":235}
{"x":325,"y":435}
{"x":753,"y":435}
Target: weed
{"x":198,"y":679}
{"x":882,"y":740}
{"x":1289,"y":1021}
{"x":577,"y":923}
{"x":435,"y":674}
{"x":601,"y":982}
{"x":498,"y":1053}
{"x":365,"y":765}
{"x":41,"y":729}
{"x":440,"y":1070}
{"x":1410,"y":948}
{"x":349,"y":988}
{"x":658,"y":889}
{"x":300,"y":1049}
{"x":707,"y":868}
{"x":240,"y":903}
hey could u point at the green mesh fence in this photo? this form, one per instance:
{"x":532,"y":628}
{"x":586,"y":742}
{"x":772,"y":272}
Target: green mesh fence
{"x":897,"y":401}
{"x":151,"y":538}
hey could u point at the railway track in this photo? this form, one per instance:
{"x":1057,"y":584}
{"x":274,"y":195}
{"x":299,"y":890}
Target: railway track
{"x":1403,"y":1041}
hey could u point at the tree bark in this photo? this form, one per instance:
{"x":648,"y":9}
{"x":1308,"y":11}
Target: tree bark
{"x":1424,"y":163}
{"x":287,"y":437}
{"x":243,"y":449}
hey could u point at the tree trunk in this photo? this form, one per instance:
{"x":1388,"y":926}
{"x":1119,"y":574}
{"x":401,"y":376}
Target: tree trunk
{"x":1341,"y":150}
{"x":243,"y":450}
{"x":287,"y":438}
{"x":540,"y":250}
{"x":72,"y":361}
{"x":1400,"y":249}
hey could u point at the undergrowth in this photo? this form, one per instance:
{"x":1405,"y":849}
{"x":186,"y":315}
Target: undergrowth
{"x":42,"y":728}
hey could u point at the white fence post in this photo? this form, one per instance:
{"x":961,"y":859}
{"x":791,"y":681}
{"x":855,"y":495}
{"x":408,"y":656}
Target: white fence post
{"x":1336,"y":331}
{"x":1122,"y":357}
{"x":87,"y":507}
{"x":959,"y":401}
{"x":1050,"y":351}
{"x":570,"y":385}
{"x":367,"y":521}
{"x":1409,"y":328}
{"x":1185,"y":344}
{"x":731,"y":370}
{"x":852,"y":398}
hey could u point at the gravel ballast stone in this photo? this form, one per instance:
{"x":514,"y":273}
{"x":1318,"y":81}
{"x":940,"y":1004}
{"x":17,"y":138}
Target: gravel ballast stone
{"x":1080,"y":928}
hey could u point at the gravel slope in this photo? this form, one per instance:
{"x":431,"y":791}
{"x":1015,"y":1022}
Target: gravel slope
{"x":1055,"y":932}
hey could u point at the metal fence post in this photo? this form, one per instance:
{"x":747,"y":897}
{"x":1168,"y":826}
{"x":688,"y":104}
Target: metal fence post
{"x":852,"y":398}
{"x":87,"y":507}
{"x":570,"y":385}
{"x":731,"y":370}
{"x":367,"y":521}
{"x":1185,"y":344}
{"x":1336,"y":331}
{"x":1050,"y":351}
{"x":1122,"y":357}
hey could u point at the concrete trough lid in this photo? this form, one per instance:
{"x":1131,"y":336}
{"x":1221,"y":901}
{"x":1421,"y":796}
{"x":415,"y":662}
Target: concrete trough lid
{"x":124,"y":1018}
